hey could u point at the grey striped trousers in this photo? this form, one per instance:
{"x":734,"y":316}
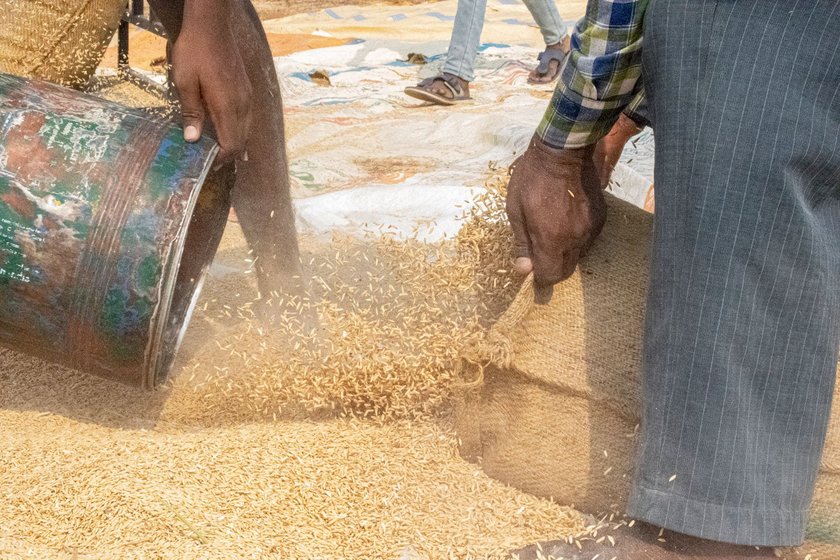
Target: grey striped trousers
{"x":744,"y":306}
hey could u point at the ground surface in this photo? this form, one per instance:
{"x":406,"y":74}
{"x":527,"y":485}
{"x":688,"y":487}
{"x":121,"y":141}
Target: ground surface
{"x":269,"y":9}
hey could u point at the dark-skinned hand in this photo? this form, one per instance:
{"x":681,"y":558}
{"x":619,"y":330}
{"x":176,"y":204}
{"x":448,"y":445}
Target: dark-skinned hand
{"x":210,"y":78}
{"x":556,"y":209}
{"x":609,"y":148}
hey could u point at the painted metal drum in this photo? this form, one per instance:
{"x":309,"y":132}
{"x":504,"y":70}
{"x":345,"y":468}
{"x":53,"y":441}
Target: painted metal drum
{"x":108,"y":223}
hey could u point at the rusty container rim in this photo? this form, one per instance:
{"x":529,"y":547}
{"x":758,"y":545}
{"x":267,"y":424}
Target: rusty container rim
{"x":161,"y":353}
{"x":110,"y":223}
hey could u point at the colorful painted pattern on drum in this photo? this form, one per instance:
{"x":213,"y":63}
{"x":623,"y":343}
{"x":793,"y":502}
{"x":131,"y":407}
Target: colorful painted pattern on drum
{"x":94,"y":199}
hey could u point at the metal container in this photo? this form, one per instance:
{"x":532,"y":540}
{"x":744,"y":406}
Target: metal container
{"x":107,"y":228}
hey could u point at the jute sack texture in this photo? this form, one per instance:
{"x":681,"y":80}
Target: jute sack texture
{"x":60,"y":41}
{"x":556,"y":402}
{"x":824,"y":525}
{"x":553,"y":392}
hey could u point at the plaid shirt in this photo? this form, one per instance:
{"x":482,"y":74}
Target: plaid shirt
{"x":600,"y":77}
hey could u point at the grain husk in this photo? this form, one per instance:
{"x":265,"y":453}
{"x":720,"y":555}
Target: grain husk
{"x":299,"y":440}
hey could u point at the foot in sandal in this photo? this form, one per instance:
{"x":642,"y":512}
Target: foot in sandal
{"x":446,"y":89}
{"x":640,"y":542}
{"x":550,"y":61}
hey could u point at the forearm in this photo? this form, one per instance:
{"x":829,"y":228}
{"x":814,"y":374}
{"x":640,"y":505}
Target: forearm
{"x":212,"y":15}
{"x":174,"y":14}
{"x":599,"y":77}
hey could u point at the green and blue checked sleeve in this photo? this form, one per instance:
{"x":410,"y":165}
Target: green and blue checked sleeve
{"x":600,"y":77}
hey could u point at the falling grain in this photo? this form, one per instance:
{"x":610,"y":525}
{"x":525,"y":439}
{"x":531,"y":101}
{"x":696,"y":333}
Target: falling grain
{"x":323,"y":435}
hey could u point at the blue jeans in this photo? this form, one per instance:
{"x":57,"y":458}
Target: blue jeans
{"x":466,"y":33}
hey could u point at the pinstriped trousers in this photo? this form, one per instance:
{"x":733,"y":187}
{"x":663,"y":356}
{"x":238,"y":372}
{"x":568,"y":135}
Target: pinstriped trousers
{"x":743,"y":319}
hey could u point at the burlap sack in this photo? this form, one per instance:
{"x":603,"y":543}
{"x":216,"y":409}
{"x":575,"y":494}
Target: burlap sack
{"x":558,"y":405}
{"x":60,"y":41}
{"x":553,"y":391}
{"x":824,"y":526}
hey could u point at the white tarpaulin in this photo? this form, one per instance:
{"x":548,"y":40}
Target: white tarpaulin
{"x":363,"y":153}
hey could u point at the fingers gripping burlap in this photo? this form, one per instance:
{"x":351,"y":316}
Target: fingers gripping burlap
{"x":60,"y":41}
{"x":553,"y":392}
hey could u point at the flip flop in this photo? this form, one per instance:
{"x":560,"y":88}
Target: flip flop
{"x":423,"y":91}
{"x":544,"y":66}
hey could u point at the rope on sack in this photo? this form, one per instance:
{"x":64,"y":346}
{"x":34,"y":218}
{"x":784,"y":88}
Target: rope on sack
{"x":494,"y":347}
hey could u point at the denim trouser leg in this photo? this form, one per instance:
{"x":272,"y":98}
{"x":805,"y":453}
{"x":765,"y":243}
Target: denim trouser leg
{"x":551,"y":24}
{"x":466,"y":33}
{"x":469,"y":21}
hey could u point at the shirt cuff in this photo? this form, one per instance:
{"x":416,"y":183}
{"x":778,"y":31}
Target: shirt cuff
{"x":575,"y":121}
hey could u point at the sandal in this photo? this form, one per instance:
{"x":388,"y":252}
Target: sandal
{"x":544,"y":67}
{"x":424,"y":92}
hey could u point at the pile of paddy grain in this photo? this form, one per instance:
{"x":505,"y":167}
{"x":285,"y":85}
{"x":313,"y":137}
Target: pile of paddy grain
{"x":236,"y":458}
{"x":296,"y":490}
